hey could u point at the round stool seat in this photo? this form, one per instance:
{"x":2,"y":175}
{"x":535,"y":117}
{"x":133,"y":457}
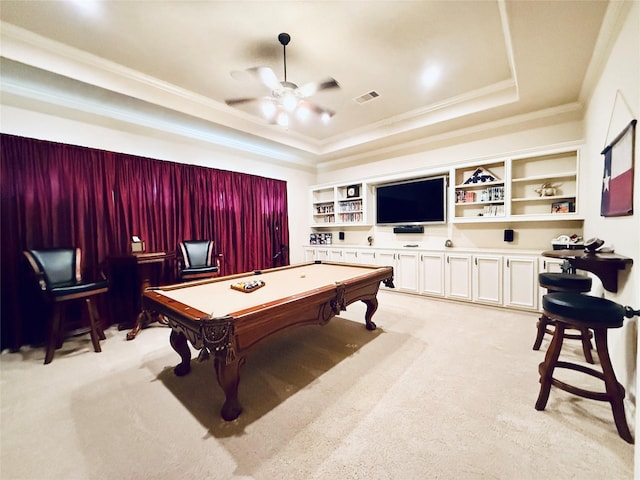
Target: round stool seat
{"x":583,"y":310}
{"x":565,"y":282}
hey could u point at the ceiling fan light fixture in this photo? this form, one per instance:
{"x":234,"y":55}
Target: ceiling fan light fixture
{"x":289,"y":102}
{"x":286,"y":98}
{"x":303,"y":113}
{"x":268,"y":109}
{"x":283,"y":119}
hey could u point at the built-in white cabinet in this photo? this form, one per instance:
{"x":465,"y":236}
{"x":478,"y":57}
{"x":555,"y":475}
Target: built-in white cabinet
{"x":431,"y":267}
{"x":507,"y":280}
{"x":546,"y":264}
{"x":458,"y":276}
{"x":366,"y":257}
{"x":350,"y":255}
{"x":487,"y":279}
{"x":405,"y":268}
{"x":309,"y":254}
{"x":335,"y":254}
{"x":407,"y":271}
{"x":521,"y":282}
{"x":322,"y":253}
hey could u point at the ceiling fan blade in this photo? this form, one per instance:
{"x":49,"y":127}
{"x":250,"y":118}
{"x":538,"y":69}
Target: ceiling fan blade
{"x":317,"y":109}
{"x":266,"y":76}
{"x":237,"y":101}
{"x":312,"y":88}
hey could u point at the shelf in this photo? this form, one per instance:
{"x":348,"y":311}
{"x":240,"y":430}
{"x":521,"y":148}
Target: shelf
{"x":333,"y":204}
{"x":514,"y":192}
{"x":497,"y":202}
{"x":543,"y":199}
{"x":550,"y":177}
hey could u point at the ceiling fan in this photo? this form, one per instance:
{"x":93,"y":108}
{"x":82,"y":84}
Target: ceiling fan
{"x":286,"y":97}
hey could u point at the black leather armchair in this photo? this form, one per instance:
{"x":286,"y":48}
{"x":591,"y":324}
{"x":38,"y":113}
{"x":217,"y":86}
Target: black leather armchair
{"x":59,"y":276}
{"x":196,"y":259}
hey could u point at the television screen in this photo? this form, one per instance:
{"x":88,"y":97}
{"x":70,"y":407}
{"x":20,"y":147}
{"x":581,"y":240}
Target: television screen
{"x":412,"y":202}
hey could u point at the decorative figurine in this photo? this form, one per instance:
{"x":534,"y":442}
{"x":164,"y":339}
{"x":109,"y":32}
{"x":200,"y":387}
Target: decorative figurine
{"x":546,"y":190}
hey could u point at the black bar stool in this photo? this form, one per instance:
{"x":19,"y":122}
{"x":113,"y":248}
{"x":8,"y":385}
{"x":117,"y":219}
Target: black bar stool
{"x":564,"y":282}
{"x":575,"y":310}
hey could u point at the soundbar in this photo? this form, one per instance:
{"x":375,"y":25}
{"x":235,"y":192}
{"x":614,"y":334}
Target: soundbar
{"x":409,"y":229}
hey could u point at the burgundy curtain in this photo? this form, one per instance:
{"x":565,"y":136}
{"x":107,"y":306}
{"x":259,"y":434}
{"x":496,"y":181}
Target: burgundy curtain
{"x":56,"y":195}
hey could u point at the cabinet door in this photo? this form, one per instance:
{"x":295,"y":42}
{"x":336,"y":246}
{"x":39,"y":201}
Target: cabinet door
{"x":547,"y":265}
{"x":350,"y":255}
{"x":432,"y":274}
{"x":322,"y":253}
{"x":487,"y":279}
{"x":406,"y":276}
{"x":521,"y":282}
{"x":309,"y":254}
{"x":335,"y":254}
{"x":458,"y":276}
{"x":387,"y":258}
{"x":367,"y":257}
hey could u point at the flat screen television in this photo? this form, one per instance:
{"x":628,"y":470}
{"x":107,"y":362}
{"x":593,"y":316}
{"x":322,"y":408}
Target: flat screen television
{"x":413,"y":202}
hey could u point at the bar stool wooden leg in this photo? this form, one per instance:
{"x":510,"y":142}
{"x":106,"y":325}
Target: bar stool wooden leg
{"x":543,"y":322}
{"x":547,"y":367}
{"x":615,"y":391}
{"x":586,"y":345}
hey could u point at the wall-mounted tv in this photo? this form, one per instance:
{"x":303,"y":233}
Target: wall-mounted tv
{"x":413,"y":202}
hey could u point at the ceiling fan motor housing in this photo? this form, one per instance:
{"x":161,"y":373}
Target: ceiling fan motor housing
{"x":284,"y":39}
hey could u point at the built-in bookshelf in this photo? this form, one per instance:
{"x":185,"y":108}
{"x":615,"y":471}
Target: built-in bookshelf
{"x":543,"y":186}
{"x":340,"y":205}
{"x":479,"y":191}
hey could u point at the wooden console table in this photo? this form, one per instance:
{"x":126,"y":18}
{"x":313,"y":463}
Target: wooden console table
{"x":604,"y":265}
{"x":130,"y":276}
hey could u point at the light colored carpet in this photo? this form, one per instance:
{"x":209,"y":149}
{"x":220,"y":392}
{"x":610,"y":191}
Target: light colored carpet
{"x":440,"y":390}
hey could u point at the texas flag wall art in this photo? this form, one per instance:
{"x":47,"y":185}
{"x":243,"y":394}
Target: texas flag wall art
{"x":617,"y":181}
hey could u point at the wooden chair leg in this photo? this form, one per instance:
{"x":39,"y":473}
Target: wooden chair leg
{"x":99,"y":326}
{"x":615,"y":391}
{"x":95,"y":336}
{"x":54,"y":333}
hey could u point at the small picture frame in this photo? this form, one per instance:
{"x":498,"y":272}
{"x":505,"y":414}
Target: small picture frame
{"x":353,"y":191}
{"x":562,"y":207}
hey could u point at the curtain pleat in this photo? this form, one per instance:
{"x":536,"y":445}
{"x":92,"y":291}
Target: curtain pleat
{"x":58,"y":195}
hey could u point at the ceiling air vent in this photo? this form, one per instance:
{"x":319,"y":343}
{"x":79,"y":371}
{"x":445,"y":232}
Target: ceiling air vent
{"x":366,"y":97}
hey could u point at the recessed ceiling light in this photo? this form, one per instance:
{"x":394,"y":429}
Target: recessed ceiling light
{"x":89,"y":7}
{"x":431,"y":75}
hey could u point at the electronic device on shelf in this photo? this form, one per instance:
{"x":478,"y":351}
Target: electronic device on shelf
{"x":593,"y":244}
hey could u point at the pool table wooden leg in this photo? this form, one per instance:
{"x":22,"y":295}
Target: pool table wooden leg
{"x":372,"y":306}
{"x":179,"y":343}
{"x":229,"y":378}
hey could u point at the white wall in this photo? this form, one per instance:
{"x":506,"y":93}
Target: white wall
{"x":614,"y":102}
{"x":145,"y":142}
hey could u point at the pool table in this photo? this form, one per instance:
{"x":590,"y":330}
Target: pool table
{"x":217,"y":318}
